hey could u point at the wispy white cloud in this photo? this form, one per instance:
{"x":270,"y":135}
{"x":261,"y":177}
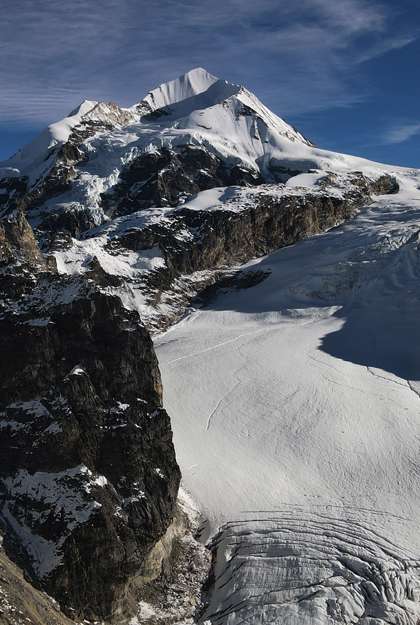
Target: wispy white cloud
{"x":400,"y":132}
{"x":302,"y":56}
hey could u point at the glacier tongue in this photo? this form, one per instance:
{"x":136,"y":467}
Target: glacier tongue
{"x":300,"y":567}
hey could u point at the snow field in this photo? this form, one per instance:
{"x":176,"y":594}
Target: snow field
{"x":295,"y":410}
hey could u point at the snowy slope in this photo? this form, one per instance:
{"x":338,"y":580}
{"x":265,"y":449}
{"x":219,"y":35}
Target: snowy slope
{"x":190,"y":84}
{"x":30,"y":160}
{"x":295,"y":409}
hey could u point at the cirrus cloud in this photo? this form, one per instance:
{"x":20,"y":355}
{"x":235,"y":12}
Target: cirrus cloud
{"x":297,"y":58}
{"x":400,"y":132}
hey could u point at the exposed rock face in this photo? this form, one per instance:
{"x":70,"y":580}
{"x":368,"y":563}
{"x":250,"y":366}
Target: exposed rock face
{"x":88,"y":477}
{"x":18,"y":243}
{"x":263,"y":226}
{"x":161,"y":178}
{"x":166,"y":589}
{"x":20,"y":602}
{"x":21,"y":260}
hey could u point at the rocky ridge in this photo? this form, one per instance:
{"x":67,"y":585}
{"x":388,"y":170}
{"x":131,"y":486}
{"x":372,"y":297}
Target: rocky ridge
{"x":88,"y":478}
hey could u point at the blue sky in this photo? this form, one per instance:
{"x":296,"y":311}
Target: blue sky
{"x":344,"y":72}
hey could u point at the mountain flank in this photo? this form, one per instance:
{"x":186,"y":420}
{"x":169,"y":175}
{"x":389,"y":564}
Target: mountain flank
{"x":114,"y":221}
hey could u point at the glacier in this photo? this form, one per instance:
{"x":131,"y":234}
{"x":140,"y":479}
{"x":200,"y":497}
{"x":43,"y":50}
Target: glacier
{"x":296,"y":417}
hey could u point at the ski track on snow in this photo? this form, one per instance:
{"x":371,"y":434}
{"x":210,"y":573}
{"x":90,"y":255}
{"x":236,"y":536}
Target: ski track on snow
{"x":203,"y":351}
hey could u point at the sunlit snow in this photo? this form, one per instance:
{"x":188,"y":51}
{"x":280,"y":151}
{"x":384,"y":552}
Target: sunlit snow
{"x":296,"y":414}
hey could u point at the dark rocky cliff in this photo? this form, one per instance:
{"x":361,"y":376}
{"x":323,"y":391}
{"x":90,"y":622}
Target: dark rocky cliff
{"x":88,"y":476}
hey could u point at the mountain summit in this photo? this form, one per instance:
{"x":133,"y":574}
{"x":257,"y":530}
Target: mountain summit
{"x":196,"y":108}
{"x":186,"y":86}
{"x":198,"y":131}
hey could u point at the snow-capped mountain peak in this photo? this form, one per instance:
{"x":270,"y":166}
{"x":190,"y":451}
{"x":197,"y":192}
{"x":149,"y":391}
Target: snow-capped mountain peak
{"x":216,"y":132}
{"x":198,"y":90}
{"x":82,"y":109}
{"x":197,"y":107}
{"x":190,"y":84}
{"x":36,"y":158}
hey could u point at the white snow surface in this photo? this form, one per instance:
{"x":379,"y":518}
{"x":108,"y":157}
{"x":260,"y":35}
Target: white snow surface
{"x":186,"y":86}
{"x":295,"y":403}
{"x":295,"y":406}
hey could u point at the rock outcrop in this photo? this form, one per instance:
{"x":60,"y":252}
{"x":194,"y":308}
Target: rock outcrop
{"x":20,"y":602}
{"x":163,"y":177}
{"x":88,"y":476}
